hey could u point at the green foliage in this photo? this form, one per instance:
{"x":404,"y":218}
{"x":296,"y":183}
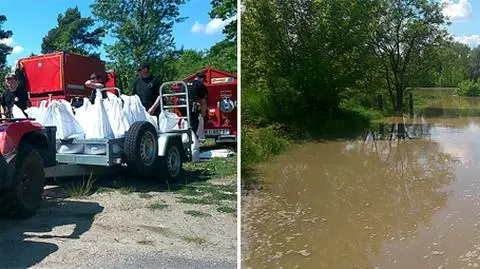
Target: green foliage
{"x":4,"y":49}
{"x":260,"y":144}
{"x":72,"y":34}
{"x":143,"y":33}
{"x":222,"y":55}
{"x":224,"y":10}
{"x":474,"y":70}
{"x":406,"y":30}
{"x":468,"y":88}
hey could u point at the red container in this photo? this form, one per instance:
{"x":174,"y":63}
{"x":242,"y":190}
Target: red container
{"x":61,"y":75}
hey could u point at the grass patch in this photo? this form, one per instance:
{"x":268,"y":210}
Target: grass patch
{"x":196,"y":213}
{"x":79,"y":188}
{"x":193,"y":239}
{"x":226,"y":209}
{"x":104,"y":190}
{"x":145,"y":242}
{"x":157,"y":206}
{"x":145,"y":195}
{"x":205,"y":193}
{"x":126,"y":190}
{"x":214,"y":168}
{"x":196,"y":201}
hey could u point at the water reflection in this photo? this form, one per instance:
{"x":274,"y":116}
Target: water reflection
{"x":335,"y":205}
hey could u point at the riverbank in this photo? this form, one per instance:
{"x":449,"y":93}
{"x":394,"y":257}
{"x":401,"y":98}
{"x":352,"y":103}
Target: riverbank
{"x":261,"y":142}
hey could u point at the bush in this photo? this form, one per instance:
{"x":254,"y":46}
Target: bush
{"x":259,"y":144}
{"x":468,"y":88}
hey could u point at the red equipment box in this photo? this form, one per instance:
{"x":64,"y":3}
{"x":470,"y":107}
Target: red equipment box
{"x":61,"y":75}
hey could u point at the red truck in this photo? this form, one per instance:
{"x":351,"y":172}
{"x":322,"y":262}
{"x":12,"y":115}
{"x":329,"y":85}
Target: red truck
{"x":221,"y":121}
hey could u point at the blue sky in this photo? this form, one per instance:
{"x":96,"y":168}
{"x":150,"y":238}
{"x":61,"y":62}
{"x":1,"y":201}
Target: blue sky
{"x":30,"y":20}
{"x":465,"y":18}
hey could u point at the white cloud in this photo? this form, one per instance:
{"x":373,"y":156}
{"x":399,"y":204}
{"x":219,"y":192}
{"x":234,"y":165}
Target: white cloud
{"x":471,"y":40}
{"x":7,"y":41}
{"x":17,"y":49}
{"x":197,"y":27}
{"x":457,"y":11}
{"x":212,"y":27}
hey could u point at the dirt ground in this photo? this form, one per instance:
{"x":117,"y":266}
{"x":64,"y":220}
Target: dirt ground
{"x":130,"y":225}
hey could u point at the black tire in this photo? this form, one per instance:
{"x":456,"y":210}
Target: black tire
{"x":141,"y":148}
{"x":23,"y":198}
{"x":171,"y":165}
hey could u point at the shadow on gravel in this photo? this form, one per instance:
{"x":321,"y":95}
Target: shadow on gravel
{"x":23,"y":242}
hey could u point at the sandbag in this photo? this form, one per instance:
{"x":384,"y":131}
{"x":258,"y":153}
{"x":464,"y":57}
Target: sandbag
{"x":167,"y":121}
{"x":99,"y":126}
{"x":58,"y":115}
{"x":116,"y":117}
{"x":195,"y":146}
{"x":17,"y":113}
{"x":37,"y":113}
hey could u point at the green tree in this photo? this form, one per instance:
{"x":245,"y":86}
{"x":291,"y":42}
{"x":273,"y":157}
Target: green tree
{"x":223,"y":55}
{"x":225,"y":10}
{"x":302,"y":56}
{"x":474,"y":68}
{"x":142,"y":30}
{"x":4,"y":49}
{"x":406,"y":30}
{"x":73,"y":34}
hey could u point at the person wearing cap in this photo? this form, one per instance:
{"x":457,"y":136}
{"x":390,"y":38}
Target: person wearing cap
{"x":147,"y":88}
{"x":15,"y":94}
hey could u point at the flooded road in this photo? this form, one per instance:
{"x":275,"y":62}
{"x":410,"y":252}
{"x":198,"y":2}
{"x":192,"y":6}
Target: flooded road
{"x":406,"y":194}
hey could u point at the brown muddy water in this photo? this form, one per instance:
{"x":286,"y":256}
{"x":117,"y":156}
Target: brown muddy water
{"x":406,"y":194}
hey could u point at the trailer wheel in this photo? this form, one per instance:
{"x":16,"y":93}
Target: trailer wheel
{"x":141,"y":148}
{"x":23,"y":198}
{"x":171,"y":165}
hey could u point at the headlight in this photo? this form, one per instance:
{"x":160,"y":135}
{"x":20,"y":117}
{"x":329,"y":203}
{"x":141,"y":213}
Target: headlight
{"x":226,"y":105}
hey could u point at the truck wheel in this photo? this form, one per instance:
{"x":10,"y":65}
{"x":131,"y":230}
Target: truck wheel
{"x":141,"y":148}
{"x":171,"y":165}
{"x":22,"y":199}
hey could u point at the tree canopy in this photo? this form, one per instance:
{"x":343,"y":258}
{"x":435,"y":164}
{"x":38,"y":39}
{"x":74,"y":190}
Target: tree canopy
{"x":4,"y":48}
{"x":73,"y":34}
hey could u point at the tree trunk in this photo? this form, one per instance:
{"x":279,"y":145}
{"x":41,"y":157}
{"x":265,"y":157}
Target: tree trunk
{"x":399,"y":103}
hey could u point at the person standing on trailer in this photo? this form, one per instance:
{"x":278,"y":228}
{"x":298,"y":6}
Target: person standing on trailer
{"x":95,"y":82}
{"x":147,"y":88}
{"x":15,"y":94}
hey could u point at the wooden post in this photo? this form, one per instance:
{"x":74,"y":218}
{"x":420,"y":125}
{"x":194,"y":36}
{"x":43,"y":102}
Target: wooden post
{"x":410,"y":104}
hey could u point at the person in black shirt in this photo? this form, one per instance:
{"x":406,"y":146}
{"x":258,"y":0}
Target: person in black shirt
{"x":147,"y":88}
{"x":15,"y":94}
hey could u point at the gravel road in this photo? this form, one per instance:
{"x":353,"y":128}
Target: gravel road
{"x":148,"y":229}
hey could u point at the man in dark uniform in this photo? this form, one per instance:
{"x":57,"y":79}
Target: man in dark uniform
{"x":147,"y":88}
{"x":197,"y":94}
{"x":15,"y":94}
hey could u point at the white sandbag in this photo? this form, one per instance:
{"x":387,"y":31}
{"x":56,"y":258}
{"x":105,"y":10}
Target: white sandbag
{"x":37,"y":113}
{"x":195,"y":146}
{"x":17,"y":113}
{"x":167,"y":121}
{"x":116,"y":117}
{"x":98,"y":128}
{"x":201,"y":126}
{"x":68,"y":106}
{"x":217,"y":153}
{"x":58,"y":115}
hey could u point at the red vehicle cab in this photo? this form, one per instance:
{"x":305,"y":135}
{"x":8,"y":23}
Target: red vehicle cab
{"x":61,"y":75}
{"x":221,"y":121}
